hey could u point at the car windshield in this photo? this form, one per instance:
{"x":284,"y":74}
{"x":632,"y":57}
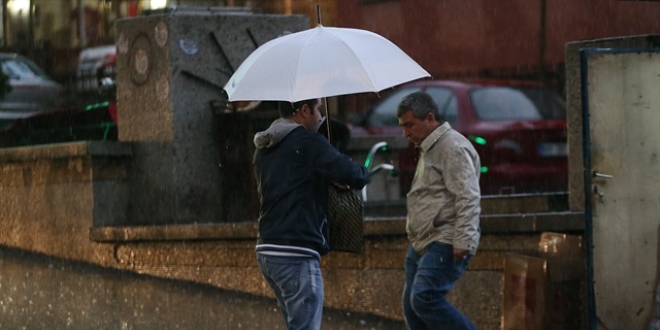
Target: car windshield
{"x":18,"y":69}
{"x":504,"y":103}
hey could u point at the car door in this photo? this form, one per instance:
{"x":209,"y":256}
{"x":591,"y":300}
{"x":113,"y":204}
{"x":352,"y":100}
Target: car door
{"x":31,"y":90}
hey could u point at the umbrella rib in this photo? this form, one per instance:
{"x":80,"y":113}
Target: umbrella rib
{"x":352,"y":52}
{"x":291,"y":97}
{"x":328,"y":31}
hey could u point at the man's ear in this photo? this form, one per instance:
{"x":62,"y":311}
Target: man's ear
{"x":304,"y":110}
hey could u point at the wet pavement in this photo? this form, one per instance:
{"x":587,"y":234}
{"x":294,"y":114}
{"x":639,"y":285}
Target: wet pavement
{"x":38,"y":292}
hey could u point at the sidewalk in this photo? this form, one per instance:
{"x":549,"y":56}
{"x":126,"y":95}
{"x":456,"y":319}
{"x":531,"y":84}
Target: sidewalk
{"x":47,"y":293}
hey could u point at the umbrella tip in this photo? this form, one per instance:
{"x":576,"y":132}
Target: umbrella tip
{"x":318,"y":14}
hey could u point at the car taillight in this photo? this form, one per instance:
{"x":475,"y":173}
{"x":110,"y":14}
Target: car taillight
{"x":109,"y":60}
{"x":112,"y":110}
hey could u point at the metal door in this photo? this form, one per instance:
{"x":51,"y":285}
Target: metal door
{"x":622,"y":182}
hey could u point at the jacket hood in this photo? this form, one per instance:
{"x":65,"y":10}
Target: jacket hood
{"x":275,"y":133}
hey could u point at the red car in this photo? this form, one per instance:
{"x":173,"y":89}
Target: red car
{"x":518,"y":129}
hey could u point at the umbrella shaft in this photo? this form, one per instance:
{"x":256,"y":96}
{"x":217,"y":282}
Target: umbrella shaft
{"x":327,"y":117}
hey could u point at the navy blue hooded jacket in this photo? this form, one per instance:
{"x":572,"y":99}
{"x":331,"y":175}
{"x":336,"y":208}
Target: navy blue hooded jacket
{"x":293,"y":168}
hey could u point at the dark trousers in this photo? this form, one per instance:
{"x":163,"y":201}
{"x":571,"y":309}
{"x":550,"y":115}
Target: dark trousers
{"x":429,"y":277}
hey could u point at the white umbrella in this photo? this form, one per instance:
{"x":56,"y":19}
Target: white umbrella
{"x":321,"y":62}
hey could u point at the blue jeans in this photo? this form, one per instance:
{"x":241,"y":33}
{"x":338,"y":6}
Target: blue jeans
{"x":429,"y":277}
{"x":298,"y":286}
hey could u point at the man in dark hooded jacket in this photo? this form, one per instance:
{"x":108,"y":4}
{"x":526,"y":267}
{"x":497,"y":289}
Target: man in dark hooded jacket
{"x":294,"y":166}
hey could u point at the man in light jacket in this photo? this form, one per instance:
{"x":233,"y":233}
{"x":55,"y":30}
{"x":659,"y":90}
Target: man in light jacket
{"x":443,"y":215}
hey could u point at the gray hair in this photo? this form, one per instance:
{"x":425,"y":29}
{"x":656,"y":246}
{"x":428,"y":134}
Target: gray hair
{"x":421,"y":104}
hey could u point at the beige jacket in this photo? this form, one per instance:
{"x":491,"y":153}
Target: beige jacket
{"x":444,"y":200}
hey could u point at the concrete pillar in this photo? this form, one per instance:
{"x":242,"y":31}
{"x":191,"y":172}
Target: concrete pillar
{"x":171,"y":67}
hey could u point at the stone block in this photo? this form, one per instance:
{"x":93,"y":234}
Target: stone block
{"x":52,"y":194}
{"x":171,"y":68}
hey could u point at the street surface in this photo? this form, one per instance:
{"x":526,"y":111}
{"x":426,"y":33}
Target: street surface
{"x":38,"y":292}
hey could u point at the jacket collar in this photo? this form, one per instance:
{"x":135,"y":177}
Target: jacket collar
{"x":434,"y":136}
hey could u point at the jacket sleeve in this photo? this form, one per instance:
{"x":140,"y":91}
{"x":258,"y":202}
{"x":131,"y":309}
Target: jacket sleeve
{"x":462,"y":181}
{"x":335,"y":166}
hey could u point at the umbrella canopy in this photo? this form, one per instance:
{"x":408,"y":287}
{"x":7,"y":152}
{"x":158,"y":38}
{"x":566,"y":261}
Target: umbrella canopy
{"x":321,"y":62}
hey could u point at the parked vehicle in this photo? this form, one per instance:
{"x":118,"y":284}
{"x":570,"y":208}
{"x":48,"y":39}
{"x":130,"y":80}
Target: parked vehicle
{"x":93,"y":121}
{"x":95,"y":63}
{"x":518,"y":129}
{"x":31,"y":90}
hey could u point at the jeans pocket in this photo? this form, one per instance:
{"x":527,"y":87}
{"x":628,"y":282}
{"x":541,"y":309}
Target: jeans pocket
{"x":286,"y":275}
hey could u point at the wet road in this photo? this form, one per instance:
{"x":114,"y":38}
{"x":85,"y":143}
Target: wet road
{"x":38,"y":292}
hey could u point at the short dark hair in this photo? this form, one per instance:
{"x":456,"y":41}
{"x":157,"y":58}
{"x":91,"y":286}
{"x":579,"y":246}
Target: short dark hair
{"x":289,"y":109}
{"x":421,"y":104}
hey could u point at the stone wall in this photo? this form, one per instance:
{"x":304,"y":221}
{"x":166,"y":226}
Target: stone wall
{"x":55,"y":198}
{"x":52,"y":195}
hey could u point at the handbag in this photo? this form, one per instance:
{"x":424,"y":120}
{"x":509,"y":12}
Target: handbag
{"x":346,"y":220}
{"x":345,"y":210}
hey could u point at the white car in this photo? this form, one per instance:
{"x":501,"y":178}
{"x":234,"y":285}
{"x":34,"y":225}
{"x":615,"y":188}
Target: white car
{"x":90,"y":62}
{"x":32,"y":91}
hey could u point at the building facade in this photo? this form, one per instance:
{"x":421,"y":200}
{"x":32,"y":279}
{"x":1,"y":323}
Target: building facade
{"x":52,"y":32}
{"x":451,"y":39}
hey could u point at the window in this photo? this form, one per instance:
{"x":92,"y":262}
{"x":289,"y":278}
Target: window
{"x":503,"y":103}
{"x":548,"y":103}
{"x":384,"y":114}
{"x":17,"y":69}
{"x":446,"y":101}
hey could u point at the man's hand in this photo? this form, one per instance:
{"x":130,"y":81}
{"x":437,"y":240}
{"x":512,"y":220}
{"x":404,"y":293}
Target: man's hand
{"x":341,"y":187}
{"x":460,"y":254}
